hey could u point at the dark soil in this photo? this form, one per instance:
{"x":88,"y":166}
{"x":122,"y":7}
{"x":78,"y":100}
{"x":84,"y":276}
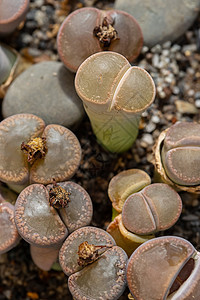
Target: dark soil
{"x":20,"y":279}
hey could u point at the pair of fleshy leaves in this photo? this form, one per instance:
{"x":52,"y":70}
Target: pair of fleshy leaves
{"x":144,"y":208}
{"x":103,"y":278}
{"x":164,"y":268}
{"x":60,"y":162}
{"x":177,"y":156}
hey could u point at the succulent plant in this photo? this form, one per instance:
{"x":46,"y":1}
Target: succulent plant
{"x":9,"y":236}
{"x":145,"y":208}
{"x":45,"y":215}
{"x":33,"y":153}
{"x":12,"y":15}
{"x":177,"y":159}
{"x":90,"y":30}
{"x":54,"y":84}
{"x":95,"y":266}
{"x":164,"y":268}
{"x":125,"y":183}
{"x":114,"y":96}
{"x":155,"y":208}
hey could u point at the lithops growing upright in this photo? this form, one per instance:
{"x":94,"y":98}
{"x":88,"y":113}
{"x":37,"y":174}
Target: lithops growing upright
{"x":164,"y":268}
{"x":114,"y":95}
{"x":177,"y":156}
{"x":31,"y":152}
{"x":90,"y":30}
{"x":95,"y":266}
{"x":45,"y":215}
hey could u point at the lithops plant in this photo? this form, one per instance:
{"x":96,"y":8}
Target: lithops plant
{"x":90,"y":30}
{"x":114,"y":96}
{"x":45,"y":215}
{"x":12,"y":15}
{"x":124,"y":184}
{"x":177,"y":159}
{"x":146,"y":208}
{"x":164,"y":268}
{"x":33,"y":153}
{"x":9,"y":236}
{"x":155,"y":208}
{"x":54,"y":84}
{"x":95,"y":266}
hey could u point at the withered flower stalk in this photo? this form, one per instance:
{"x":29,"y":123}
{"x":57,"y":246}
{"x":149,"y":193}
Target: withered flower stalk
{"x":58,"y":196}
{"x":88,"y":253}
{"x":106,"y":33}
{"x":35,"y":148}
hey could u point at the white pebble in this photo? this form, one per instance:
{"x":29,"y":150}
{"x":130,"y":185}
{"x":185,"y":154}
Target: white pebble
{"x":197,"y":103}
{"x":147,"y":138}
{"x":155,"y":119}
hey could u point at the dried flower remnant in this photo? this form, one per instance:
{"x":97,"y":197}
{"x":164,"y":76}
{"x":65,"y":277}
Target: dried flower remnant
{"x":88,"y":253}
{"x":106,"y":33}
{"x":58,"y":196}
{"x":35,"y":149}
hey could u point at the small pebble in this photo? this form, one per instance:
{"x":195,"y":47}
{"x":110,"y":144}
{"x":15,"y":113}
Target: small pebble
{"x":185,"y":107}
{"x":197,"y":103}
{"x":147,"y":138}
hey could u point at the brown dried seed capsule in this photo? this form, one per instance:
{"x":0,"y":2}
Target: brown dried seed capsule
{"x":58,"y":196}
{"x":34,"y":149}
{"x":88,"y":253}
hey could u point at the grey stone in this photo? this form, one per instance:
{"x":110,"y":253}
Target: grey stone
{"x":47,"y":90}
{"x":161,"y":20}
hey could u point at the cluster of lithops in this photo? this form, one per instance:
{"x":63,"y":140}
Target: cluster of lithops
{"x":38,"y":154}
{"x":114,"y":96}
{"x":31,"y":152}
{"x":90,"y":30}
{"x":177,"y":156}
{"x":95,"y":265}
{"x":164,"y":268}
{"x":143,"y":208}
{"x":45,"y":215}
